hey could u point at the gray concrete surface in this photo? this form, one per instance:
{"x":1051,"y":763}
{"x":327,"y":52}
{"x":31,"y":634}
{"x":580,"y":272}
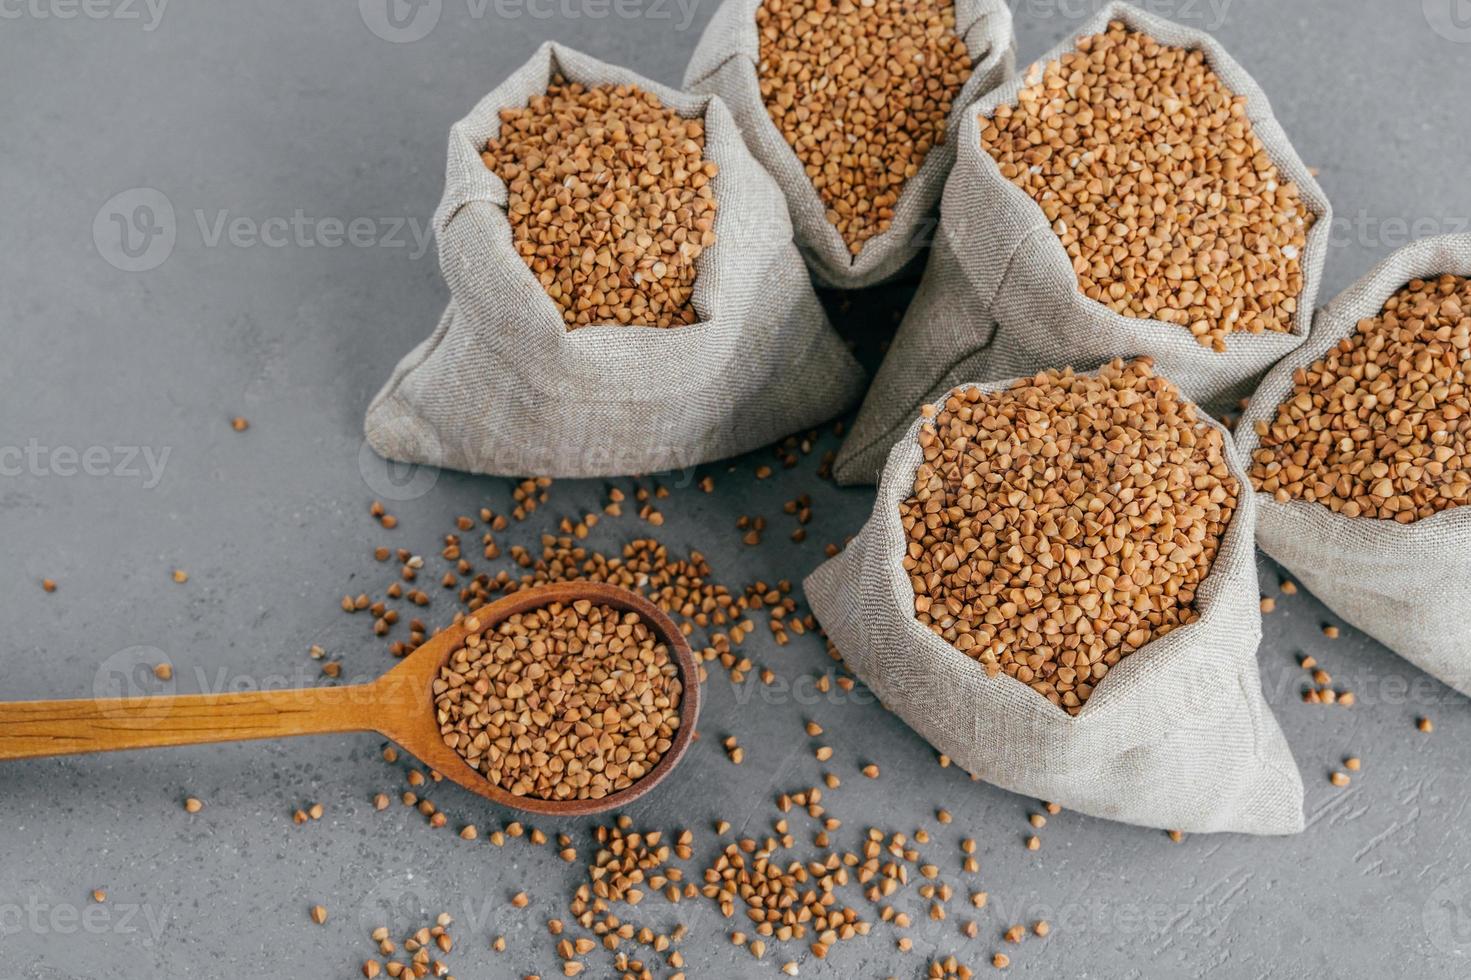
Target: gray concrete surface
{"x":260,"y":112}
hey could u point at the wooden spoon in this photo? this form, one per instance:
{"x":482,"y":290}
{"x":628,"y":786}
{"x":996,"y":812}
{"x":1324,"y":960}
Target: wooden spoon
{"x":399,"y":705}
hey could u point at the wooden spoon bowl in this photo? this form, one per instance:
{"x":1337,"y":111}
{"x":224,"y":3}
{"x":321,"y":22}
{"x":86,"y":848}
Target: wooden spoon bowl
{"x":399,"y":705}
{"x":419,"y":731}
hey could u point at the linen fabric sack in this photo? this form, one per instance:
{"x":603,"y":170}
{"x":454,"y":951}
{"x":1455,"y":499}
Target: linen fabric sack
{"x":725,"y":63}
{"x":502,"y":386}
{"x":1000,"y":299}
{"x":1406,"y":585}
{"x":1177,"y":736}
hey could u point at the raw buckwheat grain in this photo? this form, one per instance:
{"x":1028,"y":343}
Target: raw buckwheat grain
{"x":1165,"y":200}
{"x":563,"y":702}
{"x":1061,"y":524}
{"x":1380,"y":426}
{"x":860,"y":89}
{"x":609,"y":200}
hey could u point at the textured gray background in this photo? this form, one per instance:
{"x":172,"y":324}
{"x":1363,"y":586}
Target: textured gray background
{"x":254,"y":111}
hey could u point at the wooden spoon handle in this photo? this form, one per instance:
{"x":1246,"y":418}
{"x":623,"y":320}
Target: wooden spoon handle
{"x":31,"y":729}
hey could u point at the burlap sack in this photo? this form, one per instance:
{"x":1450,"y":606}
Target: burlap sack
{"x":724,"y":63}
{"x":1177,"y":736}
{"x":1406,"y":585}
{"x":1000,"y":299}
{"x":502,"y":387}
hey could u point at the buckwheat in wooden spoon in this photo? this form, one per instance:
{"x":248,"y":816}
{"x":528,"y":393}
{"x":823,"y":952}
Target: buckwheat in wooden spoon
{"x":402,"y":704}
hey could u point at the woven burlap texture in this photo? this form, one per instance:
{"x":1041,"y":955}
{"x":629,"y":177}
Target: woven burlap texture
{"x":1406,"y":585}
{"x":724,"y":63}
{"x":1000,"y":299}
{"x":1178,"y":735}
{"x":502,"y":387}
